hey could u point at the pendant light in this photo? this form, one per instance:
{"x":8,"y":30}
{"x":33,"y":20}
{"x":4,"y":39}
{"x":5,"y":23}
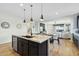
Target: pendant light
{"x":24,"y":16}
{"x":31,"y":13}
{"x":41,"y":18}
{"x":24,"y":21}
{"x":31,"y":20}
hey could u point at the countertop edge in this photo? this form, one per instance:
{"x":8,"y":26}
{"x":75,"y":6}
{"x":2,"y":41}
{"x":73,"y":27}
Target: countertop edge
{"x":41,"y":41}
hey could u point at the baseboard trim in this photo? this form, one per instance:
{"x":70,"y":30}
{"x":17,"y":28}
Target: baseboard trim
{"x":5,"y":42}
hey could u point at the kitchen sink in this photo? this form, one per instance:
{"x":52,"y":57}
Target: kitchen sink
{"x":28,"y":36}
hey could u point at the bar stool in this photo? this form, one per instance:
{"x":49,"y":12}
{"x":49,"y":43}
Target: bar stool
{"x":56,"y":37}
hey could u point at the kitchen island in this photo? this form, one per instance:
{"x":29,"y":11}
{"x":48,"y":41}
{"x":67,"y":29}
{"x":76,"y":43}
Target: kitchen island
{"x":37,"y":45}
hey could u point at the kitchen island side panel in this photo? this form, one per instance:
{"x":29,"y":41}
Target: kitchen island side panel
{"x":26,"y":47}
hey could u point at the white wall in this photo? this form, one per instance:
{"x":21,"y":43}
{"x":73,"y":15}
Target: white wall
{"x":6,"y":34}
{"x":66,"y":20}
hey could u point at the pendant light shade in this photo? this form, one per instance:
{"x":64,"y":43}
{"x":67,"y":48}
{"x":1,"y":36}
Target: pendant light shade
{"x":31,"y":5}
{"x":41,"y":17}
{"x":24,"y":21}
{"x":24,"y":16}
{"x":31,"y":19}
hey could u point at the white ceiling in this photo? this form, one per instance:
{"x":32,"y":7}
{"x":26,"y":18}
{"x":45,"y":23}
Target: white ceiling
{"x":49,"y":10}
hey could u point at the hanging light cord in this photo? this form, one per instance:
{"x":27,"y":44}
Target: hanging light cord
{"x":31,"y":10}
{"x":41,"y":9}
{"x":24,"y":13}
{"x":31,"y":18}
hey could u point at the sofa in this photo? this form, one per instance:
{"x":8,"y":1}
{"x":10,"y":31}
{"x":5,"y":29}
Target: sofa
{"x":76,"y":38}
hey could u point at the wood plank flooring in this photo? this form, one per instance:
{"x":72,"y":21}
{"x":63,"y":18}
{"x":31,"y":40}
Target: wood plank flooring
{"x":65,"y":48}
{"x":6,"y":50}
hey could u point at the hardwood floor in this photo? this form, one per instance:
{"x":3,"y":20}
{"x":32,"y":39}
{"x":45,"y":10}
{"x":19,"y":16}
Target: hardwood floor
{"x":65,"y":48}
{"x":6,"y":50}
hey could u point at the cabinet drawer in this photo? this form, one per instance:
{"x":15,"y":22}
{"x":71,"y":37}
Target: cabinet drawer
{"x":33,"y":43}
{"x":23,"y":40}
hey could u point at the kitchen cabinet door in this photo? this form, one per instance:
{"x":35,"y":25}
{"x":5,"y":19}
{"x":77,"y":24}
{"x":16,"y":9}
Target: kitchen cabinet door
{"x":25,"y":48}
{"x":33,"y":49}
{"x":43,"y":49}
{"x":20,"y":46}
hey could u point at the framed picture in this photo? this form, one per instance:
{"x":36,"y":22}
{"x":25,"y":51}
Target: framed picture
{"x":5,"y":25}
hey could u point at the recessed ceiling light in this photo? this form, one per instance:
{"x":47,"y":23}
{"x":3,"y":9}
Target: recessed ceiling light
{"x":56,"y":13}
{"x":21,"y":4}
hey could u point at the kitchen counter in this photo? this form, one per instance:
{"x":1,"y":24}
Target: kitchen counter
{"x":37,"y":38}
{"x":38,"y":45}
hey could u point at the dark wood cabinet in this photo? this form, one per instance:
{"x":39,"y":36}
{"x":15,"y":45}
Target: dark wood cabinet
{"x":43,"y":49}
{"x":38,"y":49}
{"x":22,"y":47}
{"x":25,"y":48}
{"x":29,"y":48}
{"x":33,"y":50}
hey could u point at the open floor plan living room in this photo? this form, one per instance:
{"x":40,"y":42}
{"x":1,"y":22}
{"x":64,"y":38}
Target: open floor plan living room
{"x":39,"y":29}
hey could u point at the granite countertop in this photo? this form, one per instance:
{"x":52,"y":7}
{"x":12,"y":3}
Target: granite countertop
{"x":37,"y":38}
